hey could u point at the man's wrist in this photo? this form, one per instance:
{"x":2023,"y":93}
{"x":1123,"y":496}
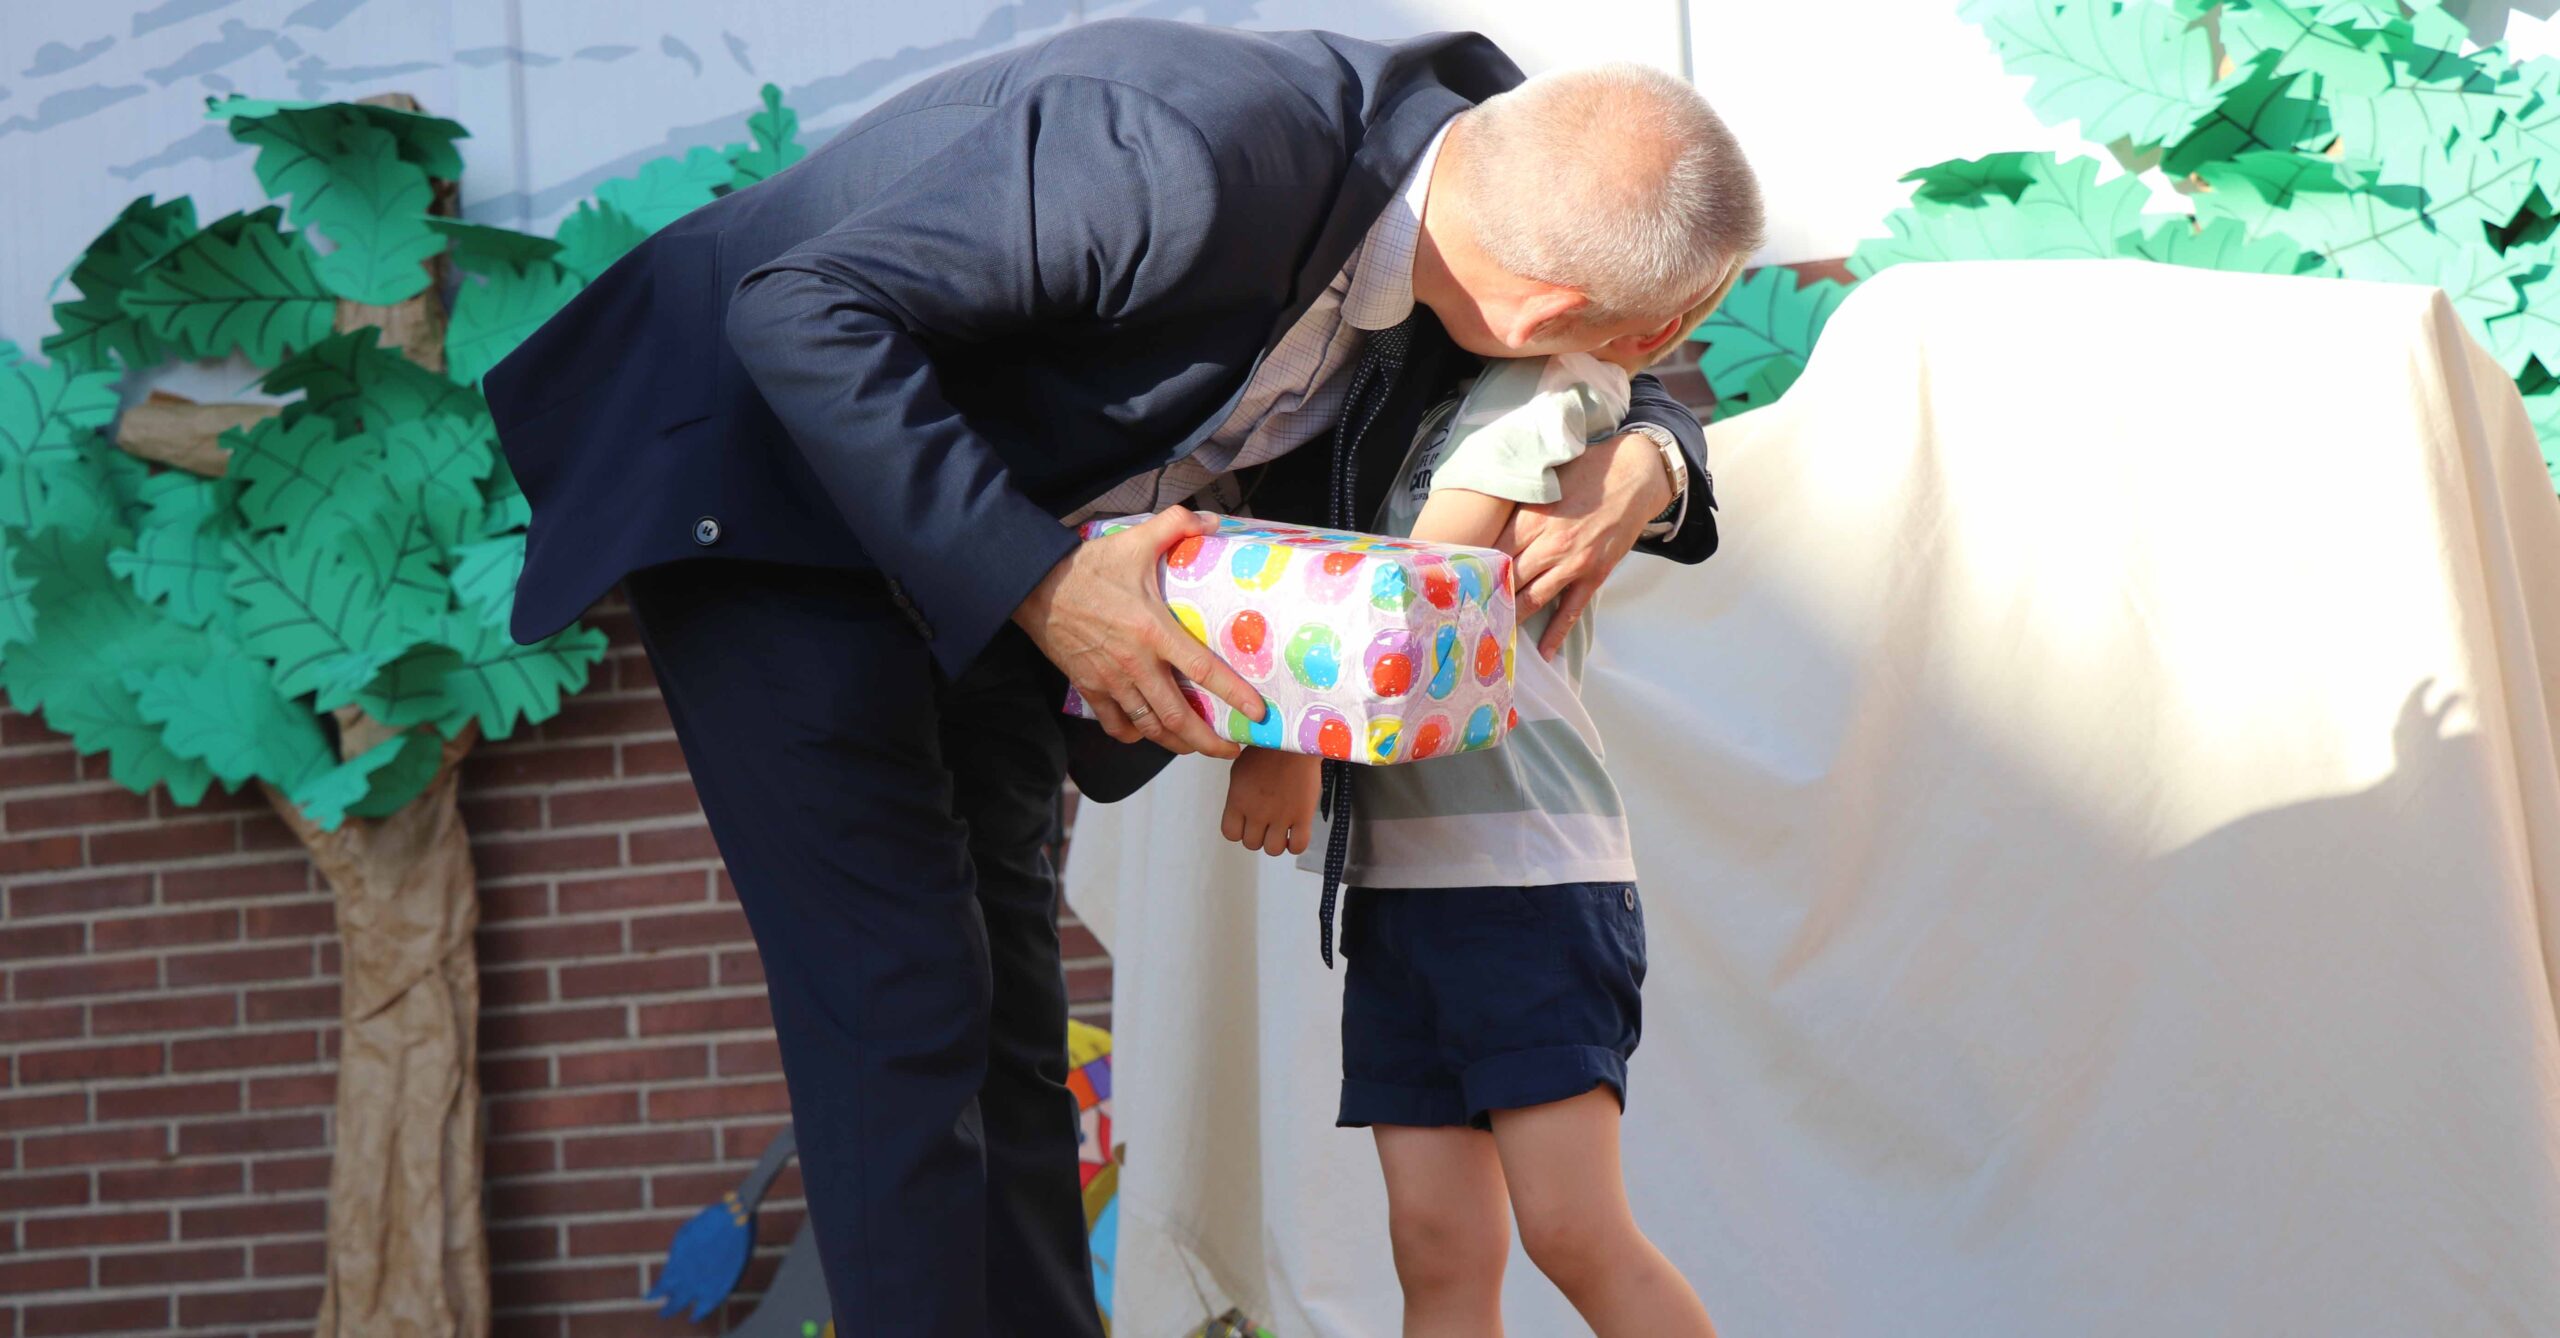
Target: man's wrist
{"x":1675,"y":467}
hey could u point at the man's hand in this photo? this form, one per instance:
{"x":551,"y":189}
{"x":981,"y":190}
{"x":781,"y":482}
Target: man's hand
{"x":1271,"y":801}
{"x":1563,"y":550}
{"x":1100,"y":616}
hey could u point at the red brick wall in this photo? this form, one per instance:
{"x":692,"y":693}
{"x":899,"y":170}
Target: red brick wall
{"x":167,"y":1040}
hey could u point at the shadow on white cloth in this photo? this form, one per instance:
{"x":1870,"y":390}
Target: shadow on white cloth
{"x":2101,"y":848}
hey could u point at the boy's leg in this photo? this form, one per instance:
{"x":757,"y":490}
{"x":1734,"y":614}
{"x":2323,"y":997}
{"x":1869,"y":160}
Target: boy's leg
{"x":1560,"y":1161}
{"x":1451,"y":1228}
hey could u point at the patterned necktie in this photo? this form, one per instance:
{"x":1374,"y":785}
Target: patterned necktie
{"x":1373,"y":378}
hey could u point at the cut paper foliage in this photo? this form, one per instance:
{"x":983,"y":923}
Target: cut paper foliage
{"x":358,"y":553}
{"x":2359,"y":139}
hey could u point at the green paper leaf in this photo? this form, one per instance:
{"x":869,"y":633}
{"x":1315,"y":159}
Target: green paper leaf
{"x":2225,"y":245}
{"x":2065,"y":212}
{"x":2545,"y":411}
{"x":374,"y":524}
{"x":296,"y":147}
{"x":2424,"y":115}
{"x":2463,"y":185}
{"x":2258,"y":110}
{"x":2481,"y":283}
{"x":95,"y":331}
{"x":2076,"y":215}
{"x":502,"y":684}
{"x":445,"y":459}
{"x":239,"y":284}
{"x":411,"y":689}
{"x":51,"y":473}
{"x":774,"y":149}
{"x":424,"y":140}
{"x":227,"y":714}
{"x":401,"y":777}
{"x":666,"y":189}
{"x":304,"y":611}
{"x":95,"y":629}
{"x":376,"y":217}
{"x":2534,"y":223}
{"x":1965,"y":182}
{"x":594,"y":237}
{"x":505,"y":509}
{"x":2529,"y":330}
{"x":329,"y":796}
{"x":17,"y":598}
{"x":484,"y":579}
{"x":2255,"y":188}
{"x":358,"y":384}
{"x":483,"y":249}
{"x":288,"y":466}
{"x":2370,"y":232}
{"x":178,"y":557}
{"x":2288,"y":40}
{"x":100,"y":715}
{"x":2136,"y":72}
{"x":1767,"y":318}
{"x":494,"y":315}
{"x":1772,"y":381}
{"x":2532,"y":131}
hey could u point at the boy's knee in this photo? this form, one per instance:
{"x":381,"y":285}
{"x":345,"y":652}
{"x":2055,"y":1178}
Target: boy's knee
{"x":1568,"y":1248}
{"x":1436,"y":1248}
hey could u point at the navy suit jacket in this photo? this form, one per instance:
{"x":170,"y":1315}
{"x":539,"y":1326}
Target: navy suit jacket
{"x":978,"y":307}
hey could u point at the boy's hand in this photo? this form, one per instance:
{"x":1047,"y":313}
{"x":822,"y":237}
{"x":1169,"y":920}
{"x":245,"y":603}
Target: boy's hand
{"x":1271,"y":801}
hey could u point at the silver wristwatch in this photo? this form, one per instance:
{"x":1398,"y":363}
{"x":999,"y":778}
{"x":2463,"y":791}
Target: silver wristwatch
{"x":1677,"y":466}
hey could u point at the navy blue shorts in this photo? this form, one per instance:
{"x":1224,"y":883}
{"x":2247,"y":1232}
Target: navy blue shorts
{"x":1458,"y":1001}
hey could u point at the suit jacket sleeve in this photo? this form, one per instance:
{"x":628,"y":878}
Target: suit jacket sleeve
{"x":1078,"y":202}
{"x":1695,"y":540}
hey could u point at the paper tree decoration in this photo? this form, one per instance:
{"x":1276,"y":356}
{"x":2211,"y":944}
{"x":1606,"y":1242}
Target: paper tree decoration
{"x":313,"y":597}
{"x":2315,"y":137}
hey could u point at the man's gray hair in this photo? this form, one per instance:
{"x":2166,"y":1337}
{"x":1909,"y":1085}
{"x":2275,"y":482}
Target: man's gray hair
{"x":1614,"y":180}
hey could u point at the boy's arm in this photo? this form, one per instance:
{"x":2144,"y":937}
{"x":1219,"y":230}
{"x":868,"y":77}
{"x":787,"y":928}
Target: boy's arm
{"x":1459,"y":516}
{"x":1522,"y":419}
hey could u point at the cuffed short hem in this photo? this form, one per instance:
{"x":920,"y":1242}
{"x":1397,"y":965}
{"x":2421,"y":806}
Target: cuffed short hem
{"x":1366,"y":1103}
{"x":1535,"y":1077}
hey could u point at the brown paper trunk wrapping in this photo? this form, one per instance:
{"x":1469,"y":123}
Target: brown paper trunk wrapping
{"x":407,"y":1254}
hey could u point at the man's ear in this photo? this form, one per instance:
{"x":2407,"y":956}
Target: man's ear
{"x":1640,"y":350}
{"x":1542,"y":312}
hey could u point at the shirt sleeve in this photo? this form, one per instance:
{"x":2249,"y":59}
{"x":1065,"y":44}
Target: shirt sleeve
{"x":1523,"y":418}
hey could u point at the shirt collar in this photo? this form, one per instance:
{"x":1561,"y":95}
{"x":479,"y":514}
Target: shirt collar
{"x":1381,"y":291}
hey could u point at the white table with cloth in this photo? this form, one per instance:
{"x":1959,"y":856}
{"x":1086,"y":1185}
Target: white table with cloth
{"x":2100,"y":838}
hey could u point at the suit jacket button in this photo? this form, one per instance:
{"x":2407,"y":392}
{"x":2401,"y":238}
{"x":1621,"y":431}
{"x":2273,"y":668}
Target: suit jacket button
{"x":706,"y":531}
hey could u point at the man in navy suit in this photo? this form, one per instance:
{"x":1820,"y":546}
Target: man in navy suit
{"x":829,"y":426}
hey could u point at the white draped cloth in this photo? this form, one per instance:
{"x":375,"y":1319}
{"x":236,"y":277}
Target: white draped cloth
{"x":2100,"y":835}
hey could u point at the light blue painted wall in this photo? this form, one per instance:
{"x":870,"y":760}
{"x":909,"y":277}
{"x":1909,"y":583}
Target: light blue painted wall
{"x":100,"y":102}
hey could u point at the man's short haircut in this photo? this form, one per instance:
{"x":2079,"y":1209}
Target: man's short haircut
{"x":1618,"y":181}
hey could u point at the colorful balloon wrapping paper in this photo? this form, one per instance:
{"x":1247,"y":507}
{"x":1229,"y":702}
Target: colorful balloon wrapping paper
{"x":1365,"y":648}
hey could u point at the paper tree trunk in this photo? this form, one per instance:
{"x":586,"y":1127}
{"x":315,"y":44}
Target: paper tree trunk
{"x":407,"y":1250}
{"x":408,"y":1247}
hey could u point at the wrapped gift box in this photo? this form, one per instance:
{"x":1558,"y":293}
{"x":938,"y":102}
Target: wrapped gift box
{"x":1365,"y":648}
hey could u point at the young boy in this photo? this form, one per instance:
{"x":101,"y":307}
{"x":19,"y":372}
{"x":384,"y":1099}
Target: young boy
{"x":1493,"y":941}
